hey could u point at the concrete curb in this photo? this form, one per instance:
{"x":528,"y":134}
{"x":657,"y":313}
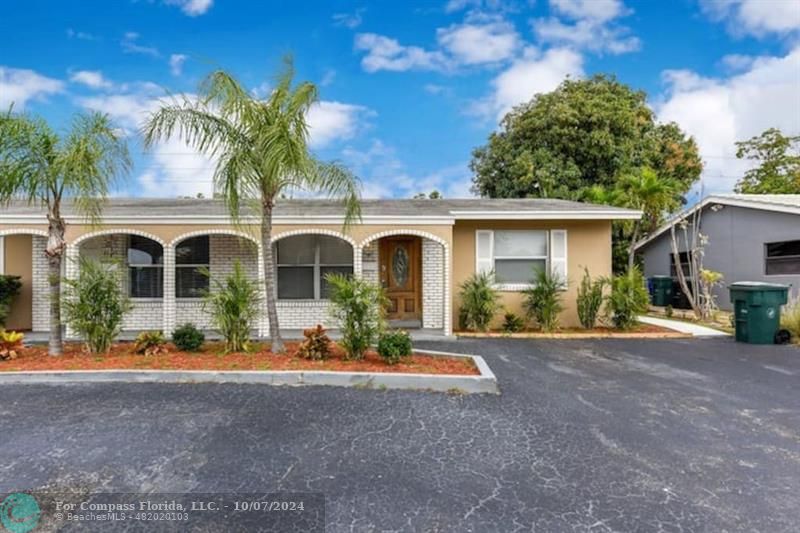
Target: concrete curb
{"x":485,"y":383}
{"x":576,"y":335}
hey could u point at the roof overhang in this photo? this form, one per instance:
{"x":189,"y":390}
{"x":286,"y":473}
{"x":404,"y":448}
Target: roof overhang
{"x":547,"y":215}
{"x":718,"y":200}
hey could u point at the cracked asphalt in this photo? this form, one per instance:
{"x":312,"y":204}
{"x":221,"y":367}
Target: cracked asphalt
{"x":607,"y":435}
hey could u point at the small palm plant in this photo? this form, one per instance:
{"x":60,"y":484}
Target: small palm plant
{"x":628,"y":298}
{"x":542,"y":301}
{"x":479,"y":301}
{"x":94,"y":304}
{"x":357,"y":305}
{"x":234,"y":307}
{"x":590,"y":299}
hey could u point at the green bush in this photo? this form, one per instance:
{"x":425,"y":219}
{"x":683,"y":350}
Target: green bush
{"x":393,"y":346}
{"x":790,"y":318}
{"x":357,"y":306}
{"x":234,"y":306}
{"x":317,"y":344}
{"x":94,"y":305}
{"x":590,"y":299}
{"x":513,"y":323}
{"x":628,"y":298}
{"x":9,"y":289}
{"x":542,"y":301}
{"x":479,"y":302}
{"x":188,"y":338}
{"x":150,"y":343}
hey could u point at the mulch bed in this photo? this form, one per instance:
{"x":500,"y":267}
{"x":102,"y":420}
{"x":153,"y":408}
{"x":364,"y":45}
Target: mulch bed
{"x":641,"y":330}
{"x":211,"y":357}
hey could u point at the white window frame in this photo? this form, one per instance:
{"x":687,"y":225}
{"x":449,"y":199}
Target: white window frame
{"x":767,"y":257}
{"x":191,"y":265}
{"x":317,"y":268}
{"x":481,"y":262}
{"x":140,"y":265}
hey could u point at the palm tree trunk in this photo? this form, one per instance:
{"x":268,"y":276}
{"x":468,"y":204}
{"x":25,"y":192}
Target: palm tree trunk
{"x":269,"y":276}
{"x":55,"y":252}
{"x":632,"y":246}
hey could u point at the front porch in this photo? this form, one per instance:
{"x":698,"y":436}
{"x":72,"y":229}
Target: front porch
{"x":162,"y":275}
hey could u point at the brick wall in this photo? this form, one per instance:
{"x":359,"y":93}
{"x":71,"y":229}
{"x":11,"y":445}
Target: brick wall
{"x":40,"y":304}
{"x":432,"y":284}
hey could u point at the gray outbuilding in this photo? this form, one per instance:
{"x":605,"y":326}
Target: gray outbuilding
{"x":751,"y":237}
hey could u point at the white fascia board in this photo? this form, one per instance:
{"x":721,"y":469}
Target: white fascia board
{"x":190,"y":220}
{"x":546,"y":215}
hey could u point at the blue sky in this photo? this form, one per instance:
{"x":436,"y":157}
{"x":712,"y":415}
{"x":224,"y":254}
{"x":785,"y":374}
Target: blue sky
{"x":407,"y":89}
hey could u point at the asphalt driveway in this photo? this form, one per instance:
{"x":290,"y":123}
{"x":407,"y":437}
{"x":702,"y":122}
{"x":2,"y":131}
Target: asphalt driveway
{"x":672,"y":435}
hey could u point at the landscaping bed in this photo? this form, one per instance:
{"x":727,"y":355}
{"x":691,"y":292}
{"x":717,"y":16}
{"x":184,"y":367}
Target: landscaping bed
{"x":640,"y":330}
{"x":211,"y":357}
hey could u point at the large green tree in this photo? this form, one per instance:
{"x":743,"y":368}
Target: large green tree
{"x":778,"y":168}
{"x":41,"y":167}
{"x":261,"y":147}
{"x":585,"y":133}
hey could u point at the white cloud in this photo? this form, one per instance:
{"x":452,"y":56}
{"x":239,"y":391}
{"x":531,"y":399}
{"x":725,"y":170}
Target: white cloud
{"x":193,"y":8}
{"x":327,"y":77}
{"x":486,"y":5}
{"x":91,"y":78}
{"x":176,"y":62}
{"x":598,"y":10}
{"x":483,"y":40}
{"x":82,"y":35}
{"x":586,"y":34}
{"x":755,"y":17}
{"x":349,"y":20}
{"x":385,"y":53}
{"x":384,"y":175}
{"x":331,"y":121}
{"x":533,"y":73}
{"x":130,"y":45}
{"x":433,"y":88}
{"x":17,"y":86}
{"x":719,"y":112}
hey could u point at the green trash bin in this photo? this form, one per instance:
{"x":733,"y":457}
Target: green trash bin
{"x":662,"y":290}
{"x":757,"y":310}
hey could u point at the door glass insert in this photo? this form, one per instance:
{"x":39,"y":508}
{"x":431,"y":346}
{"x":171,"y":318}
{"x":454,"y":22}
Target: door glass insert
{"x":400,"y":266}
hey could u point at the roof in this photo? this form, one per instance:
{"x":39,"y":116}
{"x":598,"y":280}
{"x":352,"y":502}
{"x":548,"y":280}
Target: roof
{"x":781,"y":203}
{"x":303,"y":210}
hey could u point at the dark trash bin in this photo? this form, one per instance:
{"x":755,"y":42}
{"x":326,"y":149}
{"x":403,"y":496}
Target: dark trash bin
{"x":661,"y":294}
{"x":757,"y":310}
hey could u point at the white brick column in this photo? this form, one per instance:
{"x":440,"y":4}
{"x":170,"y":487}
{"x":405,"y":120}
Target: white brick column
{"x":71,"y":256}
{"x":263,"y":323}
{"x":448,"y":326}
{"x":168,"y":303}
{"x":357,"y":266}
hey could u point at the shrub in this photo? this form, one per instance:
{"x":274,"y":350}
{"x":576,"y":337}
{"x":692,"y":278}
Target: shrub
{"x":357,"y":306}
{"x":590,"y":299}
{"x":393,"y":346}
{"x":94,"y":305}
{"x":150,"y":343}
{"x":234,"y":307}
{"x":790,"y":318}
{"x":9,"y":288}
{"x":542,"y":301}
{"x":628,"y":298}
{"x":479,"y":301}
{"x":316,"y":346}
{"x":512,"y":323}
{"x":668,"y":311}
{"x":10,"y":344}
{"x":188,"y":338}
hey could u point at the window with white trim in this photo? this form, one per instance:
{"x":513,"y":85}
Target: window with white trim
{"x":515,"y":255}
{"x":145,"y":268}
{"x":303,"y":261}
{"x":192,"y":258}
{"x":782,"y":258}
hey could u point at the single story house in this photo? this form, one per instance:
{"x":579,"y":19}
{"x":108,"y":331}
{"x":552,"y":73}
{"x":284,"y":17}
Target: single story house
{"x":420,"y":250}
{"x":751,"y":237}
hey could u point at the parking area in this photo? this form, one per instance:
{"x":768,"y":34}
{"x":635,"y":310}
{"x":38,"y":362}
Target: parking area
{"x":601,"y":435}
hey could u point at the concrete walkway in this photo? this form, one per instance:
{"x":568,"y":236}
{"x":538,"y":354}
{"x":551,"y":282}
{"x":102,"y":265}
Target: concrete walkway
{"x":684,"y":327}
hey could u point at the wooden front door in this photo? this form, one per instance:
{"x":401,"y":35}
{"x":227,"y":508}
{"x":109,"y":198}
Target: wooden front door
{"x":401,"y":276}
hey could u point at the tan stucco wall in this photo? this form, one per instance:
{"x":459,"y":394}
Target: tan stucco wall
{"x":19,"y":262}
{"x":588,"y":245}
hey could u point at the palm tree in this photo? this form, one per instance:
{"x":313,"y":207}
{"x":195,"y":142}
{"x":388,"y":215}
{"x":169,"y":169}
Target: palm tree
{"x":261,"y":148}
{"x":652,"y":195}
{"x":40,"y":167}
